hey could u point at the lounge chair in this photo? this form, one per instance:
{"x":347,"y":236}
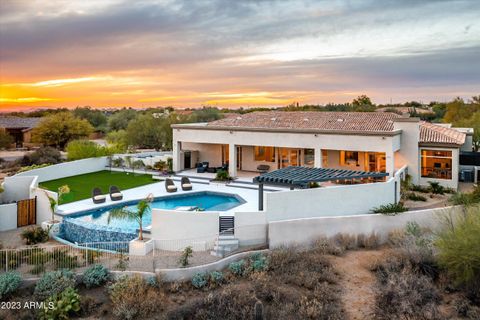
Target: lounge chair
{"x":98,"y":196}
{"x":263,"y":168}
{"x":186,"y":184}
{"x":202,"y":167}
{"x":115,"y":194}
{"x":170,"y":186}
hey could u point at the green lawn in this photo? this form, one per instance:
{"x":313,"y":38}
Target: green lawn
{"x":81,"y":186}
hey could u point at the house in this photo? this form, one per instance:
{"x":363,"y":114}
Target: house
{"x":362,"y":141}
{"x":20,"y":129}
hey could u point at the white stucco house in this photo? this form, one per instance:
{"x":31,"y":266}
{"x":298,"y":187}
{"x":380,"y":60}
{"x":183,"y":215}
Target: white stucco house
{"x":362,"y":141}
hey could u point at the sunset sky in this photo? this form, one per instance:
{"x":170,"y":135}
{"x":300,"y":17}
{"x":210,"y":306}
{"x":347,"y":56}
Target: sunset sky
{"x":235,"y":53}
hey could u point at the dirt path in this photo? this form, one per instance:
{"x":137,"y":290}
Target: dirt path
{"x":357,"y":282}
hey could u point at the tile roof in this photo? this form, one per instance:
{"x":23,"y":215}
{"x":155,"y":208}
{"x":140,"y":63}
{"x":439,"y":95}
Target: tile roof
{"x":431,"y":133}
{"x":18,"y":123}
{"x":341,"y":121}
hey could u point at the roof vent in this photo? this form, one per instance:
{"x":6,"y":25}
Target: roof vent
{"x":239,"y":118}
{"x":273,"y":119}
{"x":339,"y":120}
{"x":305,"y":119}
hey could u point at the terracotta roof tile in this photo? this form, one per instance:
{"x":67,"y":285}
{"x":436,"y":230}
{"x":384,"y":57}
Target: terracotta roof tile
{"x":431,"y":133}
{"x":341,"y":121}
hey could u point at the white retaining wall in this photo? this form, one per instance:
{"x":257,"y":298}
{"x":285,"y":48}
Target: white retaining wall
{"x":8,"y":216}
{"x":251,"y":228}
{"x":305,"y":231}
{"x":67,"y":169}
{"x":17,"y":188}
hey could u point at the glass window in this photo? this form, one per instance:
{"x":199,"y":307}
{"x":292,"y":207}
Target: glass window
{"x":436,"y":164}
{"x":265,"y":154}
{"x":309,"y":157}
{"x":348,"y":157}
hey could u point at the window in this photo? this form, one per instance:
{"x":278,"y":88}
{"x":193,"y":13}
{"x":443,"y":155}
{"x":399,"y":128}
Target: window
{"x":265,"y":154}
{"x":309,"y":157}
{"x":324,"y":158}
{"x":436,"y":164}
{"x":348,"y":157}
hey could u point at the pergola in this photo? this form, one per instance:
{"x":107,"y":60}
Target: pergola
{"x":301,"y":177}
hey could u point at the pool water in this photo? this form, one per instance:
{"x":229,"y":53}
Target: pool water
{"x":207,"y":201}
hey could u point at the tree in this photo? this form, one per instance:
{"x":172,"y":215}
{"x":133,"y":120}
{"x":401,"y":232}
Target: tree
{"x":95,"y":117}
{"x":118,"y":137}
{"x":363,"y":104}
{"x":143,"y":207}
{"x":58,"y":129}
{"x":5,"y":140}
{"x":120,"y":119}
{"x":146,"y":131}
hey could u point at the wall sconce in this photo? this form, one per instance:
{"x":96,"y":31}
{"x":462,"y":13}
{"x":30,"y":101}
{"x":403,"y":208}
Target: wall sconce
{"x":316,"y":135}
{"x":231,"y":132}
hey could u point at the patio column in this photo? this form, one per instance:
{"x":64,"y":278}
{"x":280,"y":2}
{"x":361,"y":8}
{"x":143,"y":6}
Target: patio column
{"x":177,"y":147}
{"x":317,"y":158}
{"x":232,"y":160}
{"x":260,"y":197}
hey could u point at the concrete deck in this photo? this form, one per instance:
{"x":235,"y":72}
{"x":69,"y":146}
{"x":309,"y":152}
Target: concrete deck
{"x":158,"y":189}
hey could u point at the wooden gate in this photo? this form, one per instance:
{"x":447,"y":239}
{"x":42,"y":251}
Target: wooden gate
{"x":26,"y":212}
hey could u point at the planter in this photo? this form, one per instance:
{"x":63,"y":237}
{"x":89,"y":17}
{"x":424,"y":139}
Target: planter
{"x":54,"y":227}
{"x":140,"y":247}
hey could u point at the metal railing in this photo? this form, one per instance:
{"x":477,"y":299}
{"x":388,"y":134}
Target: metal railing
{"x":33,"y":261}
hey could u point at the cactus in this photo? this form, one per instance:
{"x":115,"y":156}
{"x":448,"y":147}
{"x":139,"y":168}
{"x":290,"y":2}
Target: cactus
{"x":258,"y":312}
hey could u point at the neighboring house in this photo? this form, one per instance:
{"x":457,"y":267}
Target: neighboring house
{"x":20,"y":129}
{"x":366,"y":141}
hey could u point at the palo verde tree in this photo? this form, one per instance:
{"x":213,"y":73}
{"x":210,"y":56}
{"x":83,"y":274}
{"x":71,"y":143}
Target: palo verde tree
{"x":58,"y":129}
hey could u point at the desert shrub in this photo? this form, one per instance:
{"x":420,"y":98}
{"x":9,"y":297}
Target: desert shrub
{"x":466,"y":309}
{"x":91,"y":256}
{"x":418,"y":188}
{"x":82,"y":149}
{"x":238,"y":267}
{"x":403,"y":294}
{"x":322,"y":304}
{"x":45,"y":155}
{"x":152,"y":281}
{"x":186,"y":254}
{"x":216,"y":278}
{"x":37,"y":257}
{"x":327,"y":246}
{"x":33,"y":166}
{"x":95,"y":276}
{"x":415,"y":197}
{"x":436,"y":187}
{"x":396,"y":237}
{"x":133,"y":298}
{"x":199,"y":280}
{"x":222,"y":175}
{"x":63,"y":304}
{"x":259,"y":262}
{"x":345,"y":241}
{"x":9,"y":283}
{"x":390,"y":209}
{"x":34,"y":235}
{"x":10,"y":259}
{"x":368,"y":242}
{"x":62,"y":260}
{"x":54,"y":282}
{"x":466,"y":199}
{"x":458,"y":246}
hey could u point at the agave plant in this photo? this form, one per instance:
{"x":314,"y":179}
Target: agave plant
{"x":143,"y":207}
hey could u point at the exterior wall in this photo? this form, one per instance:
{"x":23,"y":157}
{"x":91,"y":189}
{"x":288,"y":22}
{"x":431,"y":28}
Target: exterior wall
{"x":305,"y":231}
{"x":251,"y":228}
{"x":453,"y":183}
{"x":178,"y":226}
{"x":67,"y":169}
{"x":8,"y":216}
{"x":331,"y":201}
{"x":409,"y":153}
{"x":17,"y":188}
{"x":43,"y":204}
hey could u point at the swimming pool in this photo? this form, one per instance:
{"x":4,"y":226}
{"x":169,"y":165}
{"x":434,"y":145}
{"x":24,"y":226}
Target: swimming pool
{"x":77,"y":227}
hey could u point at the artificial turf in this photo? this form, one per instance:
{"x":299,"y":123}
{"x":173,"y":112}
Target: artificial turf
{"x":81,"y":186}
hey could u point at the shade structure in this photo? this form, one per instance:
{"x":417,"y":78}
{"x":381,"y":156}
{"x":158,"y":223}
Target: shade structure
{"x":294,"y":176}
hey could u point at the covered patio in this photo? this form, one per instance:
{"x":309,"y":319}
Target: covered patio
{"x":303,"y":177}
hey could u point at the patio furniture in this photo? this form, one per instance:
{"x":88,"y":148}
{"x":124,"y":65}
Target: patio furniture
{"x":170,"y":186}
{"x":98,"y":196}
{"x":186,"y":184}
{"x":115,"y":194}
{"x":263,"y":168}
{"x":202,"y":167}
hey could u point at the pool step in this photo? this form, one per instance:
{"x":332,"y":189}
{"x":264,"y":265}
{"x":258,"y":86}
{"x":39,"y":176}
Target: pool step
{"x":224,"y":245}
